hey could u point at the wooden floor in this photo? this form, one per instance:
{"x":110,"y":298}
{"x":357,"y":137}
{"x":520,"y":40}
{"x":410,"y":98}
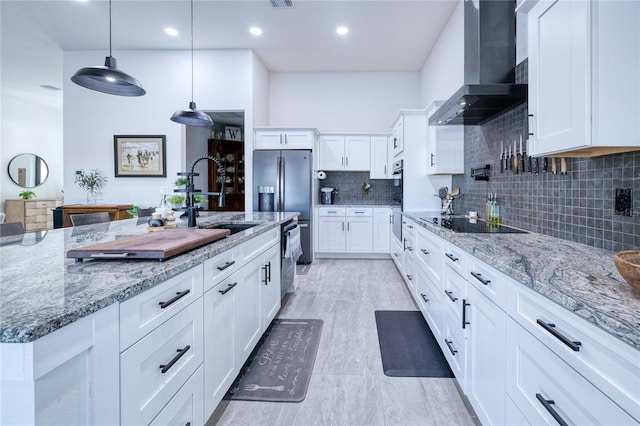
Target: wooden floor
{"x":348,"y":386}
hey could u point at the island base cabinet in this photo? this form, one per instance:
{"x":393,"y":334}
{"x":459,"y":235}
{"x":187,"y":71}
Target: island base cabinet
{"x":66,"y":377}
{"x":547,"y":390}
{"x":270,"y":285}
{"x":186,"y":407}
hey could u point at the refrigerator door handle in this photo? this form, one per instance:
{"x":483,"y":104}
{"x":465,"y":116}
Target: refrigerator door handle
{"x":280,"y":206}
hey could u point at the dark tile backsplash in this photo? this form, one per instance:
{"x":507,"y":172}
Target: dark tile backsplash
{"x":578,"y":206}
{"x":349,"y":186}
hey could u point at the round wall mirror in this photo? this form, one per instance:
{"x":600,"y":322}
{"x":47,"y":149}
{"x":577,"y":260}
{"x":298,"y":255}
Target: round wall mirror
{"x":28,"y":170}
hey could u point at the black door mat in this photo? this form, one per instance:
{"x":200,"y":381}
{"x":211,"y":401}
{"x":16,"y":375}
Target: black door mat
{"x":279,"y":368}
{"x":408,"y":347}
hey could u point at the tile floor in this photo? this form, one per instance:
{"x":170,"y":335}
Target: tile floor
{"x":348,"y":386}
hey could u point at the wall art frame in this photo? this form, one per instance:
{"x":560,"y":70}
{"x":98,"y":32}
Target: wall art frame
{"x":140,"y":155}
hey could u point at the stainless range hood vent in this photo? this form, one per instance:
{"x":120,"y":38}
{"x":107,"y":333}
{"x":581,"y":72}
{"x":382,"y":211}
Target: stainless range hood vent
{"x":489,"y":66}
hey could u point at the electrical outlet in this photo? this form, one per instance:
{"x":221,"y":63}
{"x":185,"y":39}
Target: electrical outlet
{"x":623,"y":201}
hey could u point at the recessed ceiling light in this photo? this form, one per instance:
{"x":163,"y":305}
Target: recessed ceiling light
{"x":171,"y":31}
{"x":255,"y":31}
{"x":342,"y":30}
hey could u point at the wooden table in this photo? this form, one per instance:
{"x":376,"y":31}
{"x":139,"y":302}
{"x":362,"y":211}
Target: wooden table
{"x":116,"y":211}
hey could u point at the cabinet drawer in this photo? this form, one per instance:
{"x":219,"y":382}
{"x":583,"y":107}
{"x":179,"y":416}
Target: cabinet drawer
{"x":455,"y":258}
{"x":454,"y":347}
{"x":331,"y":211}
{"x":257,"y":245}
{"x":454,"y":293}
{"x":488,"y":281}
{"x":609,"y":364}
{"x":187,"y":406}
{"x":429,"y":252}
{"x":365,"y":212}
{"x":430,"y":303}
{"x":152,"y":370}
{"x":146,"y":311}
{"x":410,"y":271}
{"x":221,"y":266}
{"x":535,"y":375}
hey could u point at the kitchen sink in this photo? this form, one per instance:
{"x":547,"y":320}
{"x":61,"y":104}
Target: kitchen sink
{"x":233,"y":227}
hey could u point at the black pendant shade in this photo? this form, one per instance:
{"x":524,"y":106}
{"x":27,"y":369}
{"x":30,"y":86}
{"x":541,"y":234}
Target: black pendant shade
{"x":108,"y":79}
{"x":192,"y":117}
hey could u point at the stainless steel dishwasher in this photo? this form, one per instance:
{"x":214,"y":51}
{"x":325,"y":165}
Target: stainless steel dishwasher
{"x":287,"y":267}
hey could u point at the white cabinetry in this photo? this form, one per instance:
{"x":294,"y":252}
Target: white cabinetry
{"x":285,"y":138}
{"x":380,"y":163}
{"x":331,"y":230}
{"x":445,"y":147}
{"x":397,"y":136}
{"x":359,"y":237}
{"x":581,"y":79}
{"x":382,"y":218}
{"x":270,"y":285}
{"x":344,"y":153}
{"x":354,"y":230}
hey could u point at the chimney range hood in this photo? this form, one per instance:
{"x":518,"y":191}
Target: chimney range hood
{"x":489,"y":66}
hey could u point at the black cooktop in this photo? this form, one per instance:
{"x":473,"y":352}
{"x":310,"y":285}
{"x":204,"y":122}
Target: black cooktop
{"x":472,"y":226}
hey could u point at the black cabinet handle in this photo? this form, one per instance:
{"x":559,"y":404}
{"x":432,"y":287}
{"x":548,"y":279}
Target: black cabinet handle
{"x":546,"y":403}
{"x":424,"y":297}
{"x":269,"y":266}
{"x":424,"y":251}
{"x":226,"y":265}
{"x":410,"y":277}
{"x":451,"y":296}
{"x":174,"y":299}
{"x":452,"y":257}
{"x":575,"y":346}
{"x":165,"y":367}
{"x":450,"y":345}
{"x":228,"y":289}
{"x":465,"y":323}
{"x":478,"y":276}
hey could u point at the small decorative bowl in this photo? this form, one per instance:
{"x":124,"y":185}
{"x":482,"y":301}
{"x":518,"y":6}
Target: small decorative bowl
{"x":628,"y":264}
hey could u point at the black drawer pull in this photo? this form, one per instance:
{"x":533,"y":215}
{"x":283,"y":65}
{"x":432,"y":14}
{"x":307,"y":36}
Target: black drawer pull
{"x":450,"y":345}
{"x":410,"y":277}
{"x":226,"y":265}
{"x":174,"y":299}
{"x":165,"y":367}
{"x":551,"y":328}
{"x":452,"y":257}
{"x":451,"y":296}
{"x":269,"y":275}
{"x":546,"y":403}
{"x":465,"y":323}
{"x":478,"y":276}
{"x":228,"y":289}
{"x":424,"y":251}
{"x":424,"y":297}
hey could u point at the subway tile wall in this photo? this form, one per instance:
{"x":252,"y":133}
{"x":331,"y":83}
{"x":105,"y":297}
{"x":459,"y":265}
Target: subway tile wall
{"x":349,"y":185}
{"x":578,"y":206}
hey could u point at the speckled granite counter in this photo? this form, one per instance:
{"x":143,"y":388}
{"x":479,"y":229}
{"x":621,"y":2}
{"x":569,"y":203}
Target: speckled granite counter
{"x":581,"y":278}
{"x":41,"y":290}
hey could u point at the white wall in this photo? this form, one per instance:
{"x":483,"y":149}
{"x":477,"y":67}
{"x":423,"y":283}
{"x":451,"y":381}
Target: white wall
{"x":443,"y":71}
{"x":222,"y":81}
{"x":342,"y":101}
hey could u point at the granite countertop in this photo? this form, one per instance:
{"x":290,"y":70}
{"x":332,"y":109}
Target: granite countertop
{"x":41,"y":290}
{"x":581,"y":278}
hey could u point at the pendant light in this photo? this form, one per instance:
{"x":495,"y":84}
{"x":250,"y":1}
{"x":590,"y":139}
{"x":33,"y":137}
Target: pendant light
{"x":191,"y":116}
{"x":108,"y":79}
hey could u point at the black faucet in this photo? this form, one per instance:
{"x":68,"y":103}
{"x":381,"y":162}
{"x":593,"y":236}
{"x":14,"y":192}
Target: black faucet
{"x":191,"y":191}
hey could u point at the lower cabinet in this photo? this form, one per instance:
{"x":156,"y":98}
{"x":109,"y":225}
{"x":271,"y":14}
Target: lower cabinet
{"x":270,"y":285}
{"x":382,"y":222}
{"x":354,"y":230}
{"x":186,"y":407}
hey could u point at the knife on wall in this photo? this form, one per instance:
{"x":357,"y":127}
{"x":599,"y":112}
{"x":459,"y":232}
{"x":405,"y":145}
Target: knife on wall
{"x":516,"y":158}
{"x":536,"y":166}
{"x":501,"y":157}
{"x":510,"y":160}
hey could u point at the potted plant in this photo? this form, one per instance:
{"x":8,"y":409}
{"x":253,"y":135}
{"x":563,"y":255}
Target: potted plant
{"x":197,"y":199}
{"x":175,"y":201}
{"x":91,"y":181}
{"x":181,"y":181}
{"x":27,"y":195}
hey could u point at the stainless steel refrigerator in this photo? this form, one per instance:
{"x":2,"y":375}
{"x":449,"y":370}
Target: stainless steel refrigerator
{"x":288,"y":172}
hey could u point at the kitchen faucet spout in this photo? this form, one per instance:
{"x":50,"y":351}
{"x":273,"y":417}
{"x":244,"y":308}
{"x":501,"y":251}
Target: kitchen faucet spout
{"x":191,"y":209}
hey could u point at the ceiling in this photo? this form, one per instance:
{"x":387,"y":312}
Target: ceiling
{"x":384,"y":35}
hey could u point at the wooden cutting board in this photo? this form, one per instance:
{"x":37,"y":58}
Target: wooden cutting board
{"x":154,"y":245}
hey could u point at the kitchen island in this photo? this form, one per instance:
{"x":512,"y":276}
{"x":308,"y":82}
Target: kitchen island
{"x":73,"y":334}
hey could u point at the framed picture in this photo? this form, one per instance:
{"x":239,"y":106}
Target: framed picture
{"x":140,"y":155}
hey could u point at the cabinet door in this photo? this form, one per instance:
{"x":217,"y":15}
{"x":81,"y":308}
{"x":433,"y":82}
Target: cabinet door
{"x":247,"y":312}
{"x":331,"y":153}
{"x":331,"y":235}
{"x":357,"y":152}
{"x":486,"y":367}
{"x":302,"y":139}
{"x":270,"y":285}
{"x":398,"y":137}
{"x":445,"y":150}
{"x":380,"y":168}
{"x":559,"y":76}
{"x":359,"y":235}
{"x":269,"y":139}
{"x":381,"y":230}
{"x":219,"y":360}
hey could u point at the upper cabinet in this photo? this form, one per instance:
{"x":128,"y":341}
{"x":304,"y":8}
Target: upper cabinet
{"x":285,"y":138}
{"x":584,"y":83}
{"x":344,"y":153}
{"x":445,"y":147}
{"x":397,"y":137}
{"x":380,"y":163}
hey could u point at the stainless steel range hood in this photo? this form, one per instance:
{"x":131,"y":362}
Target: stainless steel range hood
{"x":489,"y":66}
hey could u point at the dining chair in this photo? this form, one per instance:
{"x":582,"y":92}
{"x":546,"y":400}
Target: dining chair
{"x":11,"y":228}
{"x":89,"y":218}
{"x":2,"y":217}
